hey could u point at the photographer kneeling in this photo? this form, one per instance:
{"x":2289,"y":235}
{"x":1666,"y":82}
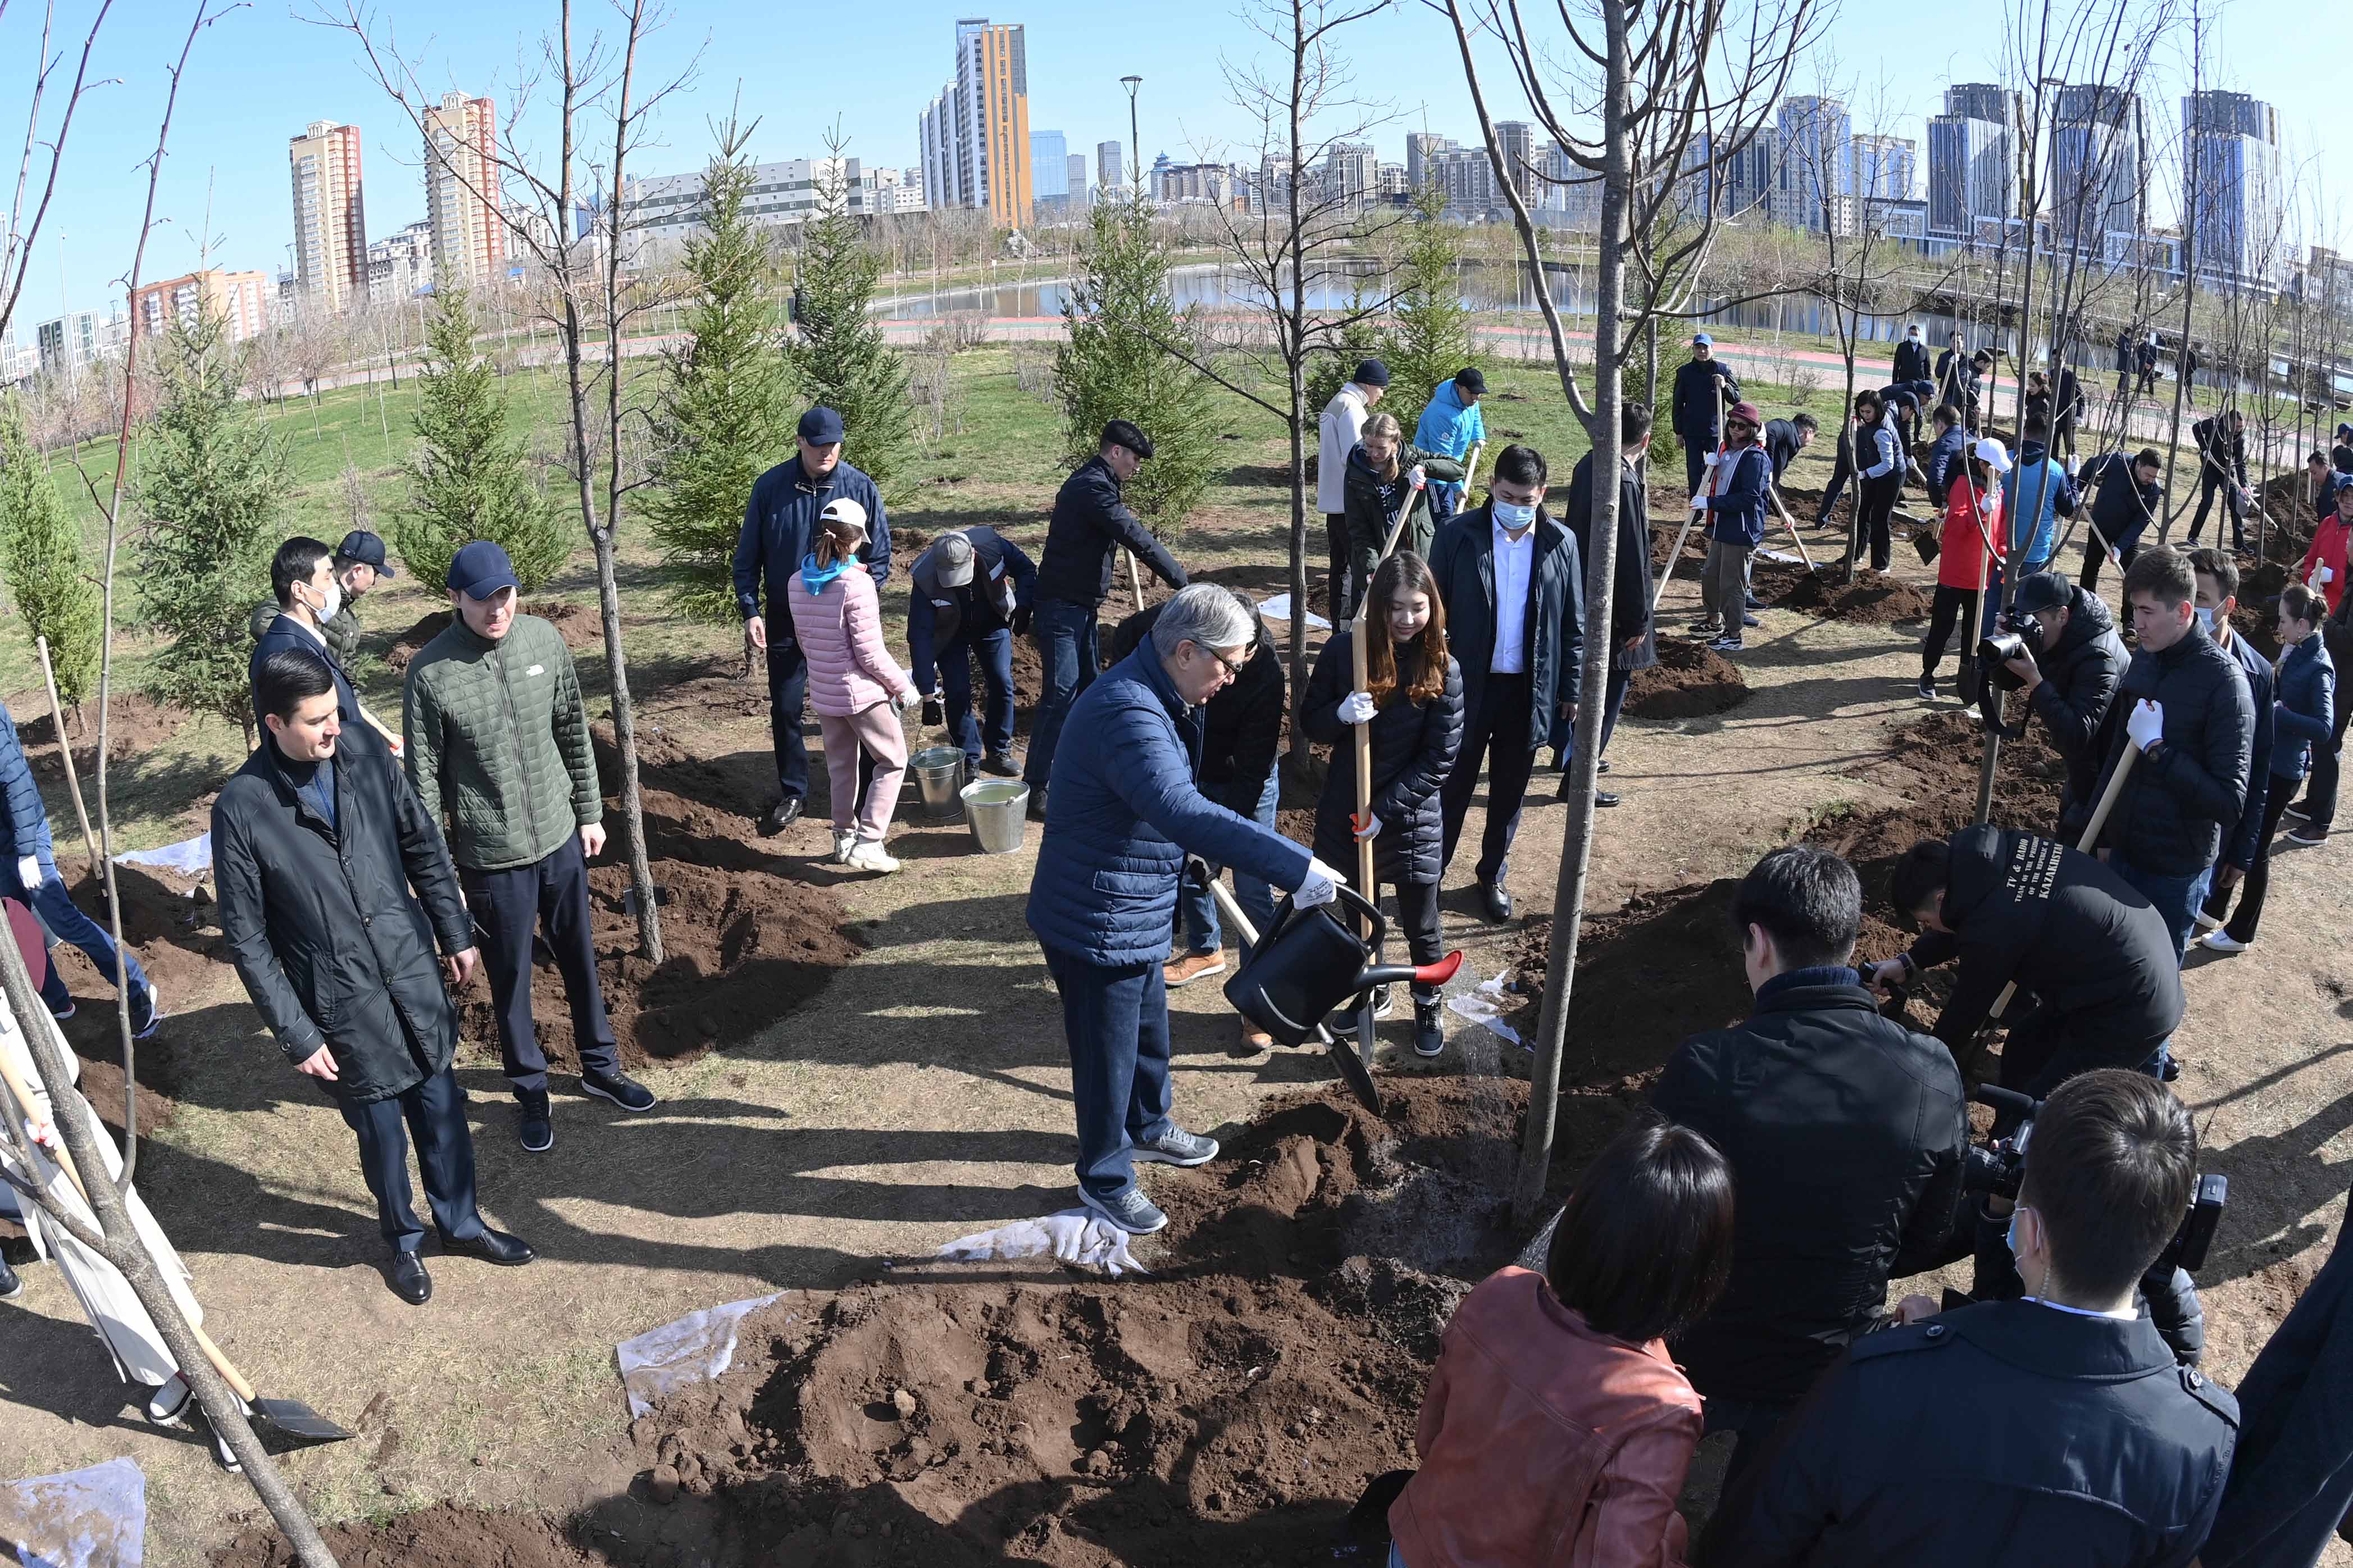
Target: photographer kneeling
{"x":2069,"y":662}
{"x":2055,"y":1428}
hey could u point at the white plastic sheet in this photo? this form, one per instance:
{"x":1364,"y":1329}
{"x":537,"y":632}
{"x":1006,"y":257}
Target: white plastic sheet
{"x":95,"y":1518}
{"x":697,"y":1347}
{"x":1485,"y":1003}
{"x":1072,"y":1235}
{"x":189,"y":856}
{"x":1278,"y":610}
{"x":1781,"y":555}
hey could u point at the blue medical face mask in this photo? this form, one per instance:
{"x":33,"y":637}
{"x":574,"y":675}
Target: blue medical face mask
{"x":1515,"y":518}
{"x":2010,"y":1236}
{"x":2206,"y":619}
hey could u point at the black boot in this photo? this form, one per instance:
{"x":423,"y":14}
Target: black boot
{"x":1429,"y":1027}
{"x":10,"y":1285}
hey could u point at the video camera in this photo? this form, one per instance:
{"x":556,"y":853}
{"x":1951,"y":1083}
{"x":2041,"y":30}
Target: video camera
{"x":1998,"y":1166}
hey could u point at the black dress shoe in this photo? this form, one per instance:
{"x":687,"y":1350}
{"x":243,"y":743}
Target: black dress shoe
{"x":408,"y":1280}
{"x":11,"y":1287}
{"x":1003,"y":765}
{"x":1603,"y":798}
{"x":491,"y":1246}
{"x":1496,"y":899}
{"x":781,"y":815}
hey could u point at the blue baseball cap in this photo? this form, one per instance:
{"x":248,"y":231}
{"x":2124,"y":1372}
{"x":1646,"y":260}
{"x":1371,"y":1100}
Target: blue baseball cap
{"x":481,"y":569}
{"x":1702,"y":338}
{"x":820,"y":427}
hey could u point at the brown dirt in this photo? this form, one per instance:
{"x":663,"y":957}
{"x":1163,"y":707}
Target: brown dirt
{"x":135,"y":722}
{"x":1872,"y":599}
{"x":1688,"y":681}
{"x":578,"y":624}
{"x":443,"y":1536}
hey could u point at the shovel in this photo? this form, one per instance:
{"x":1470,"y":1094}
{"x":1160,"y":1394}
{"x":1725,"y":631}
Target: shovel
{"x":290,"y":1417}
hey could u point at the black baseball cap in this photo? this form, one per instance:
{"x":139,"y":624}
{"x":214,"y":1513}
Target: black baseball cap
{"x":1469,"y":379}
{"x":2043,"y":590}
{"x":362,"y":548}
{"x":481,"y":569}
{"x":820,"y":427}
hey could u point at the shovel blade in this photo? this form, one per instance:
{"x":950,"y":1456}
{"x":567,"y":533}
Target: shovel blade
{"x":1353,"y":1071}
{"x":297,"y":1419}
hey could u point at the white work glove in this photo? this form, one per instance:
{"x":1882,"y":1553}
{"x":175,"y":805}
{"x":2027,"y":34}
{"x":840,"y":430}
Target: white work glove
{"x":1369,"y":826}
{"x":28,"y":871}
{"x":2146,"y":724}
{"x":1710,"y":460}
{"x":1356,"y":708}
{"x":44,"y":1135}
{"x":1418,"y":478}
{"x":909,"y":699}
{"x":1322,"y":886}
{"x":1699,"y":503}
{"x":2328,"y":574}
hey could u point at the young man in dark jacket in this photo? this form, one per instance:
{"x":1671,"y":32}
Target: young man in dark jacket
{"x":1512,"y":582}
{"x":2221,"y":441}
{"x":2070,"y":676}
{"x":1948,"y":450}
{"x":779,"y":522}
{"x":2126,"y":497}
{"x":970,"y":587}
{"x":1630,"y":632}
{"x":1912,"y":355}
{"x":1785,"y":439}
{"x":316,"y":849}
{"x":2218,"y":595}
{"x":303,"y":576}
{"x":1705,"y":387}
{"x":1089,"y":526}
{"x":2184,"y":707}
{"x":2024,"y":1433}
{"x":1846,"y":1133}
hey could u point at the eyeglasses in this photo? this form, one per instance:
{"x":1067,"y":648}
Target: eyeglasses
{"x":1232,"y":668}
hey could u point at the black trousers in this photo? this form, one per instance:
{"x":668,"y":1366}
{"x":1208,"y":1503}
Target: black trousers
{"x":2257,"y":882}
{"x":2320,"y":791}
{"x":1875,"y":501}
{"x":2094,"y":558}
{"x":787,"y":696}
{"x":1417,"y":914}
{"x":1341,"y":592}
{"x":435,"y":1112}
{"x":1945,"y":615}
{"x":1499,"y":733}
{"x":2207,"y":485}
{"x":549,"y":896}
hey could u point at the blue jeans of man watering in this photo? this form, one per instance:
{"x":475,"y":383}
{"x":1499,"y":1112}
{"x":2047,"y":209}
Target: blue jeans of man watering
{"x":1115,"y":1021}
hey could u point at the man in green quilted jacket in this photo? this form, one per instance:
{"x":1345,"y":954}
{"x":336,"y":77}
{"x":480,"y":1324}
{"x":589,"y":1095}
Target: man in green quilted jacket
{"x":498,"y":743}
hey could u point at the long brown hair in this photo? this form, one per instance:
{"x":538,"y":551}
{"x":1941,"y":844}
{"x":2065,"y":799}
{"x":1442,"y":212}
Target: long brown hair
{"x":838,"y":540}
{"x":1402,"y":575}
{"x":1386,"y":425}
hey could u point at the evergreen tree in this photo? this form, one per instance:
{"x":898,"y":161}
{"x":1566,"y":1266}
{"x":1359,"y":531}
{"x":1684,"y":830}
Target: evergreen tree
{"x":1115,"y":365}
{"x":724,"y":412}
{"x":1431,"y":339}
{"x":212,"y":485}
{"x":470,"y":478}
{"x":41,"y":556}
{"x":836,"y":356}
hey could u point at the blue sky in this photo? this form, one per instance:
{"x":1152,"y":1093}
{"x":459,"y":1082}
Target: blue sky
{"x":261,"y":73}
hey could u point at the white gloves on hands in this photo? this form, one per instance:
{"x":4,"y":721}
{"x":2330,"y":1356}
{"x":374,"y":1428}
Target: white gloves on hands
{"x":1356,"y":708}
{"x":2146,"y":724}
{"x":1418,"y":478}
{"x":909,"y":699}
{"x":1322,"y":886}
{"x":1369,"y":828}
{"x":28,"y":871}
{"x":2326,"y":574}
{"x":1710,"y":460}
{"x":1699,"y":503}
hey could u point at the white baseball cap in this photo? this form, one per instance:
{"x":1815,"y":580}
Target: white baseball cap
{"x":1993,"y":455}
{"x":844,"y":510}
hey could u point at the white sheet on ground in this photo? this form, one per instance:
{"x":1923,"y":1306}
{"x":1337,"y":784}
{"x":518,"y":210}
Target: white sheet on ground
{"x":1781,"y":555}
{"x":1278,"y":610}
{"x":695,"y":1347}
{"x":1485,"y":1003}
{"x":95,"y":1518}
{"x":189,"y":856}
{"x":1074,"y":1236}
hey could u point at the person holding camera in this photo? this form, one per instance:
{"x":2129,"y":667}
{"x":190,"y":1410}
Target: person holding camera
{"x":2303,"y":717}
{"x":1557,"y":1428}
{"x":2052,"y":1428}
{"x":2018,"y":909}
{"x":1846,"y":1133}
{"x":2069,"y":661}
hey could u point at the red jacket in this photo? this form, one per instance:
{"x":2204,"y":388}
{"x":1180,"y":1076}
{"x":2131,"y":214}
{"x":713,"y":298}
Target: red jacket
{"x":1962,"y":561}
{"x":1544,"y":1444}
{"x":2328,"y":550}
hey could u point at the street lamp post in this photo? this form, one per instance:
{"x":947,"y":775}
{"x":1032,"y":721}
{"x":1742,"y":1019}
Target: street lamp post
{"x":1134,"y":142}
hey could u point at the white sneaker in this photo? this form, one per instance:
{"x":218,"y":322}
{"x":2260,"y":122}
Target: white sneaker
{"x":868,"y":855}
{"x":2222,"y":942}
{"x":843,"y":837}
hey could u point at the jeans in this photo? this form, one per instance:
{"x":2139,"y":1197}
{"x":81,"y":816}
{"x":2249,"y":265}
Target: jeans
{"x":1397,"y":1558}
{"x":1445,"y":501}
{"x":2177,"y":898}
{"x":435,"y":1111}
{"x":509,"y":907}
{"x":1197,"y":908}
{"x":1115,"y":1021}
{"x":1498,"y":731}
{"x":787,"y":698}
{"x":1752,"y":1426}
{"x":954,"y":661}
{"x":1065,"y":633}
{"x":66,"y":922}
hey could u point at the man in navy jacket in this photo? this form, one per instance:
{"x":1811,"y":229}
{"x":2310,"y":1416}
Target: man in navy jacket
{"x":1704,"y":386}
{"x":777,"y":523}
{"x":970,"y":587}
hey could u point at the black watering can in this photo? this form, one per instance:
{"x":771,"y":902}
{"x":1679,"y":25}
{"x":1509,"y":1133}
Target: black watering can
{"x":1310,"y":963}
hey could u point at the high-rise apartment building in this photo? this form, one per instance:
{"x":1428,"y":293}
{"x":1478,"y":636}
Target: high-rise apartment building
{"x":2235,"y":184}
{"x":1884,"y":167}
{"x":1813,"y":163}
{"x":1050,"y":165}
{"x":1516,"y":139}
{"x":1110,"y":157}
{"x":976,"y":134}
{"x":1351,"y":171}
{"x":330,"y":223}
{"x":2099,"y":167}
{"x":1075,"y":173}
{"x":1973,"y":150}
{"x":238,"y":301}
{"x":462,"y":192}
{"x":1421,"y":147}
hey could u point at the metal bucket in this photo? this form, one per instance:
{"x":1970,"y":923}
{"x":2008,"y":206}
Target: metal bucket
{"x":996,"y":810}
{"x":938,"y":770}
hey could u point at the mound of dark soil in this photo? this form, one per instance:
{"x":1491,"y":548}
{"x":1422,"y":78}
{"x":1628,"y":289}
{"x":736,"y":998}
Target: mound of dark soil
{"x":1688,"y":681}
{"x":578,"y":624}
{"x":443,"y":1536}
{"x":1872,"y":599}
{"x":135,"y":722}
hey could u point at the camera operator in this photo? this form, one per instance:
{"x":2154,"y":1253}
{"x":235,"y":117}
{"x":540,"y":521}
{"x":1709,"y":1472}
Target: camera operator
{"x":2069,"y":666}
{"x":1846,"y":1133}
{"x":2051,"y":1429}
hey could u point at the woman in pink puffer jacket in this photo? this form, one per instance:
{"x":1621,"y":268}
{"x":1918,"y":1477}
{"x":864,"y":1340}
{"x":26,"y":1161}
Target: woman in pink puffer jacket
{"x":852,"y":683}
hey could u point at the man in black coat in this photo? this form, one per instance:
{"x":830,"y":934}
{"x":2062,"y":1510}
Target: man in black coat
{"x":1705,"y":389}
{"x":1947,"y":452}
{"x":1912,"y":355}
{"x":2185,"y":706}
{"x":1633,"y":643}
{"x":1785,"y":439}
{"x":1512,"y":582}
{"x":2126,"y":497}
{"x":2094,"y":956}
{"x":2222,"y":440}
{"x":2070,"y":676}
{"x":315,"y":850}
{"x":1846,"y":1133}
{"x":968,"y":589}
{"x":1090,"y":525}
{"x":2218,"y":596}
{"x":2024,"y":1433}
{"x":2067,"y":408}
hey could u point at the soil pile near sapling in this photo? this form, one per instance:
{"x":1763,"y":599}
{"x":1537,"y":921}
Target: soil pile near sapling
{"x":1688,"y":682}
{"x":135,"y":723}
{"x":443,"y":1536}
{"x":1872,"y":599}
{"x":578,"y":624}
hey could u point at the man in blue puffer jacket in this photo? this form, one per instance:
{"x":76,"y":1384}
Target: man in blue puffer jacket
{"x":1122,"y":812}
{"x":31,"y":875}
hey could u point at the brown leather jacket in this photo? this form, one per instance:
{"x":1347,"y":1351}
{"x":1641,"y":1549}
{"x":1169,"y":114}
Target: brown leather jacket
{"x":1544,"y":1444}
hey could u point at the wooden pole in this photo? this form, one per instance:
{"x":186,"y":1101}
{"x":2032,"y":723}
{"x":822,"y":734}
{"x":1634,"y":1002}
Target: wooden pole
{"x":65,"y":749}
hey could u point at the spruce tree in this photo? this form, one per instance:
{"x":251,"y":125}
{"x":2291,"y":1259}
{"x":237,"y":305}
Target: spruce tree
{"x":1430,"y":338}
{"x":836,"y":354}
{"x":724,"y":412}
{"x":212,"y":486}
{"x":41,"y":556}
{"x":470,"y":478}
{"x":1115,"y":364}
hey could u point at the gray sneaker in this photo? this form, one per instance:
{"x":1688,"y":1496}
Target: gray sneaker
{"x":1178,"y":1147}
{"x":1131,"y":1211}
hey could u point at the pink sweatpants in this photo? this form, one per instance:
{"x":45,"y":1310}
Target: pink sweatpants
{"x":876,"y":732}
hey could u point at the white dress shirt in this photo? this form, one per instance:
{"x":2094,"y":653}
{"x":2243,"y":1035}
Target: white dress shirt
{"x":1515,"y":559}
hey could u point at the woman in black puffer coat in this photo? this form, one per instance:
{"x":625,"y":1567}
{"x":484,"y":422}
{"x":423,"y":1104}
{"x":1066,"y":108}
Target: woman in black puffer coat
{"x":1415,"y":701}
